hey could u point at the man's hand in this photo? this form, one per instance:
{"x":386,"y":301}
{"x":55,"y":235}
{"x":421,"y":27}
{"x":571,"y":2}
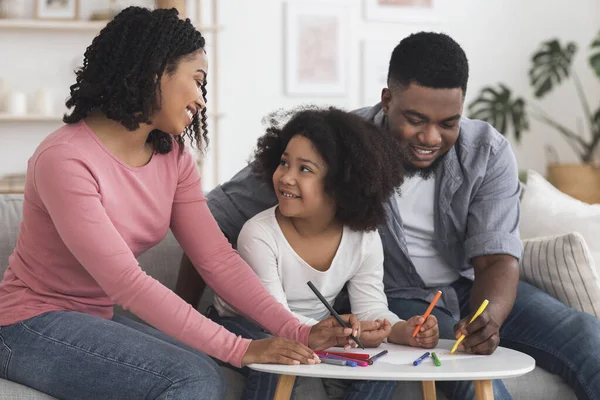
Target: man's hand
{"x":496,"y":279}
{"x":374,"y":332}
{"x":329,"y":333}
{"x":482,"y":336}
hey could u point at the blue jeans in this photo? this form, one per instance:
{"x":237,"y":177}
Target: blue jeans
{"x":71,"y":355}
{"x":562,"y":340}
{"x":261,"y":385}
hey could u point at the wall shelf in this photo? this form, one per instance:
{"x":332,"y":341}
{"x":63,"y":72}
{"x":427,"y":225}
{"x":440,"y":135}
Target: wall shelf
{"x":29,"y":118}
{"x":41,"y":24}
{"x":58,"y":118}
{"x":67,"y":25}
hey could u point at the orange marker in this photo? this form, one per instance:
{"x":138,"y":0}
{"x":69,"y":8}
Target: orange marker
{"x":435,"y":299}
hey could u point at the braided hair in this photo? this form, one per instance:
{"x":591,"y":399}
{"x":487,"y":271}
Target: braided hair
{"x":122,"y":69}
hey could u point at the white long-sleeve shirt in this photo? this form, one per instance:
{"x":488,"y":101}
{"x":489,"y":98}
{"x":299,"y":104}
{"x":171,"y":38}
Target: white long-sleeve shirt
{"x":358,"y":261}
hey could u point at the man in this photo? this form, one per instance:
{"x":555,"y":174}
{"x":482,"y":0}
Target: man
{"x":455,"y":226}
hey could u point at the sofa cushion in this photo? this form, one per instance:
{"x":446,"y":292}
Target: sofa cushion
{"x":11,"y":211}
{"x":13,"y":391}
{"x":561,"y":265}
{"x":546,"y":211}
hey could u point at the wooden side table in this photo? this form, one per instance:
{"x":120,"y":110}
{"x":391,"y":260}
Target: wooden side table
{"x":504,"y":363}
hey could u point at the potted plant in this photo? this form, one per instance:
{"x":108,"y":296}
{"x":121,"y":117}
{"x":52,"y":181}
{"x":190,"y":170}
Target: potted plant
{"x":551,"y":66}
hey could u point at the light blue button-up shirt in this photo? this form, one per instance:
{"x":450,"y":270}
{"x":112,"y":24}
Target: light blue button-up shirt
{"x":477,"y":209}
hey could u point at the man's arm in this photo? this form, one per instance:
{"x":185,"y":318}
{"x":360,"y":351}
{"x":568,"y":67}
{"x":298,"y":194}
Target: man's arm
{"x":241,"y":198}
{"x":494,"y":248}
{"x":496,"y":279}
{"x":231,"y":204}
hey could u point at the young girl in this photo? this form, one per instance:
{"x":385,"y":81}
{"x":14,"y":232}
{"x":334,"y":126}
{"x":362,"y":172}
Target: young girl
{"x":332,"y":172}
{"x":101,"y":190}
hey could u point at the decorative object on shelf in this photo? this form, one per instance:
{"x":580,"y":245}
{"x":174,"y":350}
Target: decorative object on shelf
{"x":408,"y":11}
{"x":16,"y":103}
{"x":4,"y":91}
{"x":13,"y":9}
{"x":57,"y":9}
{"x":43,"y":102}
{"x":551,"y":65}
{"x":178,"y":4}
{"x":107,"y":14}
{"x":316,"y":35}
{"x":375,"y":62}
{"x":14,"y":183}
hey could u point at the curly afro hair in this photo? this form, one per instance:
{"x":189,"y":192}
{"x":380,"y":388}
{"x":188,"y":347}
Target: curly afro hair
{"x":364,"y":162}
{"x":122,"y":69}
{"x":429,"y":59}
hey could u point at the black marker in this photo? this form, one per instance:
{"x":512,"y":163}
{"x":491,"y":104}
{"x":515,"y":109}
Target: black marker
{"x":332,"y":311}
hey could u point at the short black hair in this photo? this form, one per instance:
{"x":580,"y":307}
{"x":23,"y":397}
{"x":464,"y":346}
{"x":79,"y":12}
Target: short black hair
{"x":122,"y":69}
{"x":364,"y":163}
{"x":429,"y":59}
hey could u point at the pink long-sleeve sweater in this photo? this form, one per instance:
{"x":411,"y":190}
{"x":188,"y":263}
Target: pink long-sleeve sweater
{"x":87,"y":216}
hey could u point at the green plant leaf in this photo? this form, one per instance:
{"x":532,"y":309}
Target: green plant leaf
{"x":497,"y":107}
{"x":595,"y":57}
{"x":551,"y":64}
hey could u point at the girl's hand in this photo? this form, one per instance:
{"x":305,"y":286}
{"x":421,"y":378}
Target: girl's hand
{"x":429,"y":334}
{"x":329,"y":333}
{"x":374,"y":332}
{"x":279,"y":351}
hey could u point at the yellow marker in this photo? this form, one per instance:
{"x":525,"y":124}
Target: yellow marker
{"x":477,"y":314}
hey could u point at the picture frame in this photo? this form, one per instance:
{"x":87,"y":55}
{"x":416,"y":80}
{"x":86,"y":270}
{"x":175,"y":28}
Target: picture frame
{"x":316,"y":48}
{"x":375,"y":59}
{"x":57,"y":9}
{"x":406,"y":11}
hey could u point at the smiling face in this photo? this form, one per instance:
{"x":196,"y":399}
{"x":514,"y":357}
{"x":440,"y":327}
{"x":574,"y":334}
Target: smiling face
{"x":299,"y":182}
{"x":181,"y":94}
{"x":427,"y":122}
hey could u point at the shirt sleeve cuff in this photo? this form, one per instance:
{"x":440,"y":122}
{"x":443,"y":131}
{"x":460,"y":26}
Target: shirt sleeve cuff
{"x":489,"y":243}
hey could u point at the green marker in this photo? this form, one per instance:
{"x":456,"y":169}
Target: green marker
{"x":436,"y":360}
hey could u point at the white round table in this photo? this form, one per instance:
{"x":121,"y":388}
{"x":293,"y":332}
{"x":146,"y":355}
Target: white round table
{"x":397,"y":365}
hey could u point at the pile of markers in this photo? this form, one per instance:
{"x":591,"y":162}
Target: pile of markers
{"x":348,"y":359}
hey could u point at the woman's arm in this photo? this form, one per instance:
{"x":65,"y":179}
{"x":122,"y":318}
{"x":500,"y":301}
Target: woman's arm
{"x":221,"y":267}
{"x":70,"y":195}
{"x":257,"y":248}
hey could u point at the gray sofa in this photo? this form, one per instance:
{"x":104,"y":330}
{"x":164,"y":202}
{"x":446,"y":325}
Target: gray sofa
{"x":162,"y":263}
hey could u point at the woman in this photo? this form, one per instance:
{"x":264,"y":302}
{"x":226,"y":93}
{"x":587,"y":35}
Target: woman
{"x":101,"y":190}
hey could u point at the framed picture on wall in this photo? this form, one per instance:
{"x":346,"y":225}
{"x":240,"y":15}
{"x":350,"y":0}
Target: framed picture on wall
{"x":407,"y":11}
{"x":315,"y":48}
{"x":56,"y":9}
{"x":375,"y":56}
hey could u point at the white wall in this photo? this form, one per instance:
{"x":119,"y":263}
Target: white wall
{"x":499,"y":37}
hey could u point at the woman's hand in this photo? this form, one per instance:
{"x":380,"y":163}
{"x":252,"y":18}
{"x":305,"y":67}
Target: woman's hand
{"x":279,"y":351}
{"x":329,"y":333}
{"x":427,"y":337}
{"x":374,"y":332}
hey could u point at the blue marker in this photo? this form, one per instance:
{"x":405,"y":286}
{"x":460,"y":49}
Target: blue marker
{"x":420,"y":359}
{"x":349,"y":363}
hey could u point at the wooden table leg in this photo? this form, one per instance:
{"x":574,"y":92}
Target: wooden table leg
{"x":428,"y":390}
{"x":284,"y":387}
{"x":484,"y":390}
